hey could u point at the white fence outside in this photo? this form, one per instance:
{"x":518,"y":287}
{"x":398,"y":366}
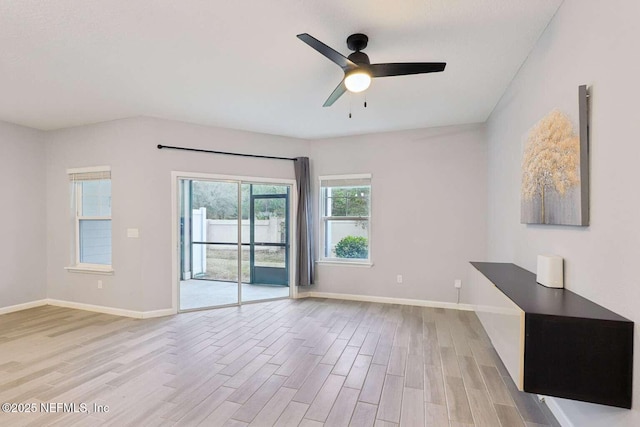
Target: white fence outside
{"x":270,"y":230}
{"x":266,"y":230}
{"x":198,"y":233}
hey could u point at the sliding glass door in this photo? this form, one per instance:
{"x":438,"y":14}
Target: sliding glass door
{"x":268,"y":242}
{"x":234,"y":242}
{"x":209,"y":241}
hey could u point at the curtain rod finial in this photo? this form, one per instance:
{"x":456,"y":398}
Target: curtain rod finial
{"x":160,"y":147}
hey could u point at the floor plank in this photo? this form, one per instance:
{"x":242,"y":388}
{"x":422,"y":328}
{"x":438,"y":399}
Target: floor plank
{"x":413,"y":408}
{"x":434,"y":385}
{"x":292,"y":414}
{"x":391,"y":399}
{"x":322,"y":404}
{"x":508,"y":416}
{"x":497,"y":389}
{"x":436,"y":415}
{"x":313,"y":384}
{"x":272,"y":410}
{"x":372,"y":387}
{"x":358,"y":373}
{"x":364,"y":415}
{"x":483,"y":411}
{"x":256,"y":402}
{"x":345,"y":404}
{"x":457,"y":402}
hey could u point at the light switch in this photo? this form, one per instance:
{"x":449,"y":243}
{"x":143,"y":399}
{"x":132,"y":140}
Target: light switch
{"x":133,"y":233}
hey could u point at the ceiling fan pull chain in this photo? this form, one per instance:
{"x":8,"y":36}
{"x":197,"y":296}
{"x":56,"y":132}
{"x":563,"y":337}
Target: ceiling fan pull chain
{"x":365,"y":101}
{"x":350,"y":99}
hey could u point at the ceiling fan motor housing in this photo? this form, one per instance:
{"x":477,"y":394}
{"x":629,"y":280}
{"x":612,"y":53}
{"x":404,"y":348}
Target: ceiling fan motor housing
{"x":359,"y":58}
{"x":357,"y":42}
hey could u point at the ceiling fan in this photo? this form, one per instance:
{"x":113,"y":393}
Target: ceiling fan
{"x":358,"y":70}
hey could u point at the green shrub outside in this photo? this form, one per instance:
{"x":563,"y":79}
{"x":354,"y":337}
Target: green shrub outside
{"x":352,"y":247}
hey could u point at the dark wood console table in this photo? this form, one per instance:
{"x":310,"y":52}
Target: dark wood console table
{"x":553,"y":341}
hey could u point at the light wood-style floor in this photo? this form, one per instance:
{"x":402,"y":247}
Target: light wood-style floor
{"x":285,"y":363}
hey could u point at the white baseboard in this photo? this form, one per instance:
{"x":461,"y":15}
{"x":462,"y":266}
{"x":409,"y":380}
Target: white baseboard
{"x":95,"y":308}
{"x":112,"y":310}
{"x":158,"y":313}
{"x":388,"y":300}
{"x":556,"y":410}
{"x":23,"y":306}
{"x":89,"y":307}
{"x":170,"y":311}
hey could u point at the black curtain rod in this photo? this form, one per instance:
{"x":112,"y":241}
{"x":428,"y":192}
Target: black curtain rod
{"x":160,"y":147}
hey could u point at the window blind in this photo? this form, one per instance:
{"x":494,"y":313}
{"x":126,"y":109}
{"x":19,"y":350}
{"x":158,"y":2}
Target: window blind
{"x":345,"y":182}
{"x":90,"y":176}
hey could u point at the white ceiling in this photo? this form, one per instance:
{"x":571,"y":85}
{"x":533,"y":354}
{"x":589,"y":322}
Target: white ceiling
{"x":238,"y":64}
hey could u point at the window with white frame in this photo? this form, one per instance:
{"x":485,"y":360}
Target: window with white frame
{"x":91,"y":194}
{"x":345,"y":212}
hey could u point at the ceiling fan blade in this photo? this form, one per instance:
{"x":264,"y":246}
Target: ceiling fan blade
{"x":337,"y":93}
{"x":405,"y":68}
{"x":343,"y":62}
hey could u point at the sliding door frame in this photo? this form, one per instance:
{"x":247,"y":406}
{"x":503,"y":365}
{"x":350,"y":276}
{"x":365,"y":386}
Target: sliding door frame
{"x":176,"y":176}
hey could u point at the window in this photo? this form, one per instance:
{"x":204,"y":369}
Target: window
{"x":91,"y":195}
{"x":345,"y":205}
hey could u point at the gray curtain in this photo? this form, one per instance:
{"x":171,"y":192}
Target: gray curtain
{"x":304,"y":236}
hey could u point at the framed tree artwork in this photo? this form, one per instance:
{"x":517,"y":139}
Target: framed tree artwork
{"x":555,"y":168}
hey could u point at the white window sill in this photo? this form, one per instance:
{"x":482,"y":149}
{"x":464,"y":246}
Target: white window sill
{"x":361,"y":264}
{"x":106,"y":270}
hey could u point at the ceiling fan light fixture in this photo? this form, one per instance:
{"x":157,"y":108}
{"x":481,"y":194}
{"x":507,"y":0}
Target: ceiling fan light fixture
{"x":357,"y":80}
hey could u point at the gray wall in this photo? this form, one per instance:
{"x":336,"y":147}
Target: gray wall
{"x":141,"y":198}
{"x":435,"y":178}
{"x":591,"y":43}
{"x":429,"y":207}
{"x":22,"y":216}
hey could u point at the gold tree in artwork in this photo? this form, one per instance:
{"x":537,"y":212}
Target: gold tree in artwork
{"x":551,"y":159}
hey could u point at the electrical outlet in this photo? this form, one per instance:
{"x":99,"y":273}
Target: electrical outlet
{"x":457,"y":284}
{"x":99,"y":284}
{"x":399,"y":278}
